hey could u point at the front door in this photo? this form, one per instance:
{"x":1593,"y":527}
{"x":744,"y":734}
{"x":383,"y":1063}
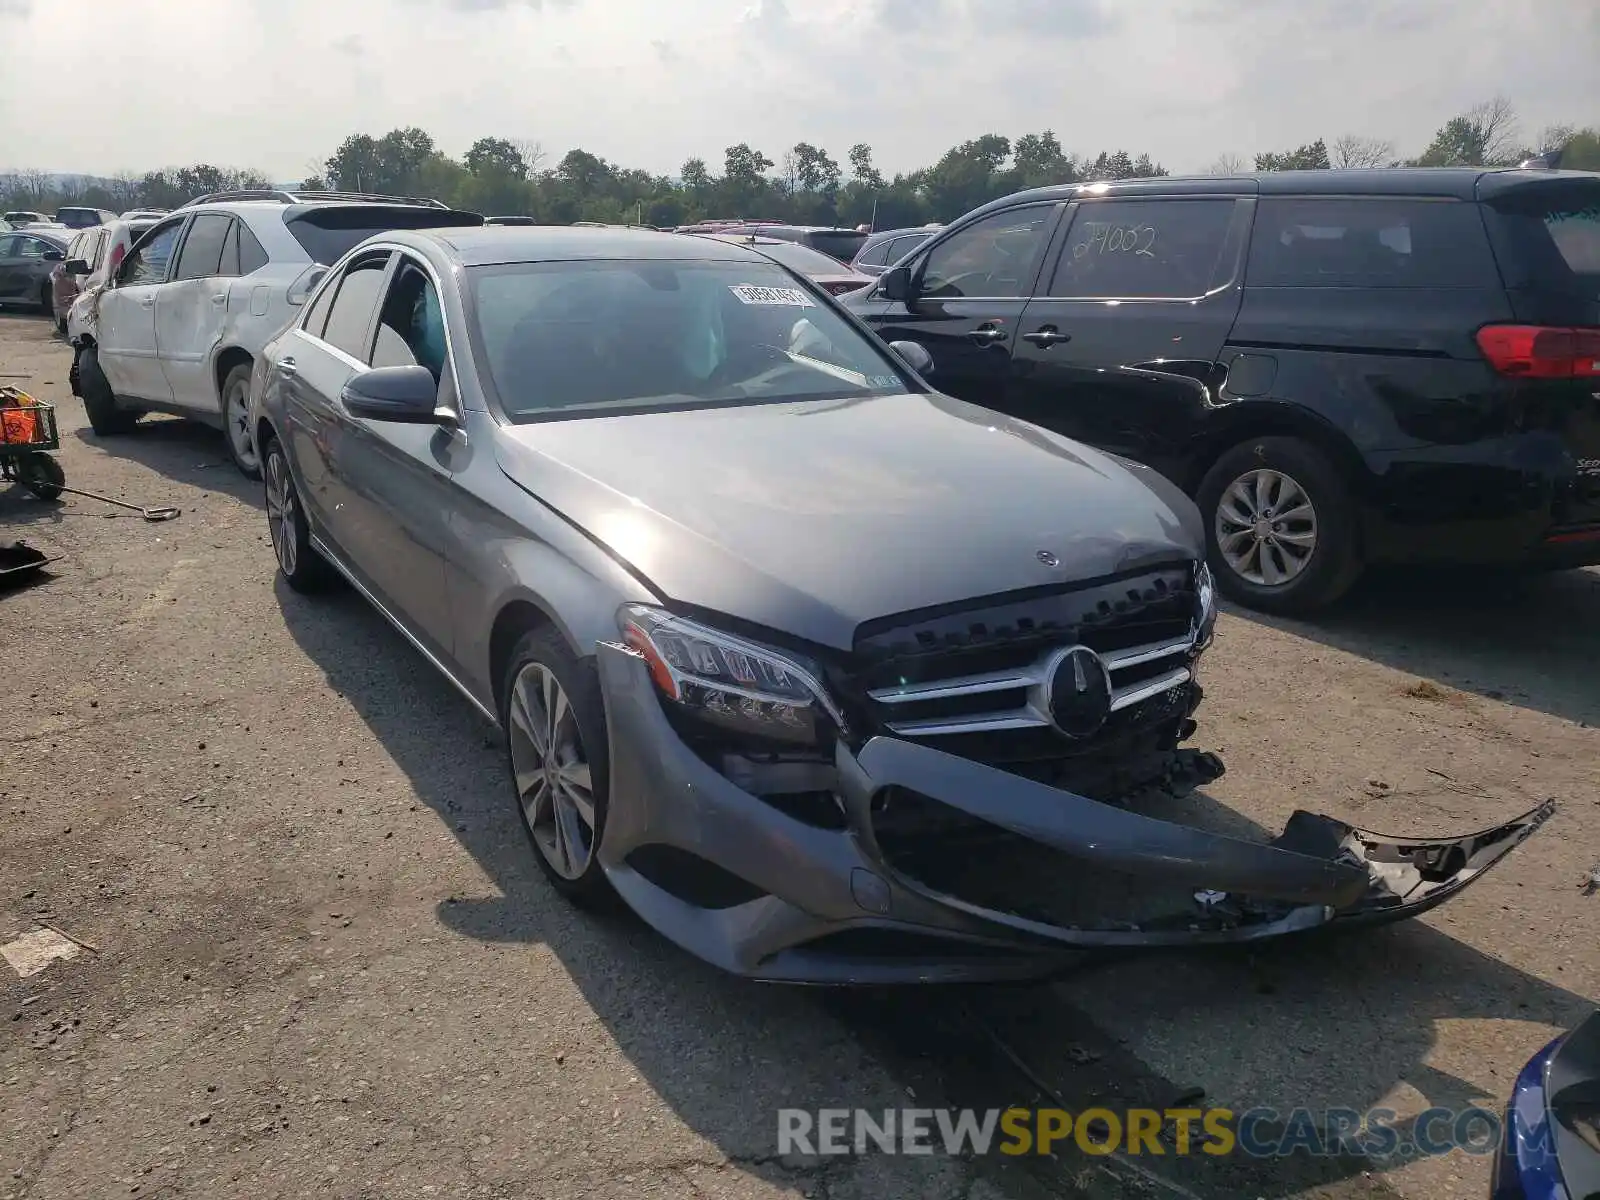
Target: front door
{"x":1119,"y":346}
{"x":127,"y":325}
{"x":191,"y":311}
{"x":395,"y":481}
{"x":971,"y":287}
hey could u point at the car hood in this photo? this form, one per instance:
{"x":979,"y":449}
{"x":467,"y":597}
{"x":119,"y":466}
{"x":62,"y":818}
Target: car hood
{"x":811,"y":518}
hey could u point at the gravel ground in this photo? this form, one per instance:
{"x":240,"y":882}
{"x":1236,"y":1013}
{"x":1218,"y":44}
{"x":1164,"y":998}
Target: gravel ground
{"x":323,"y":962}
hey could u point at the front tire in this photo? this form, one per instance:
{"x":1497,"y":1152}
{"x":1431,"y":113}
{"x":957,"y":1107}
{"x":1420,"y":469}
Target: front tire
{"x":557,"y":749}
{"x":304,"y":570}
{"x":47,"y":301}
{"x":236,"y":422}
{"x":105,"y":417}
{"x":1281,"y":526}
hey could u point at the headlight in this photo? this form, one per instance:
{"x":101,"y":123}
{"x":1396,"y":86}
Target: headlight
{"x":729,"y":681}
{"x":1206,"y":617}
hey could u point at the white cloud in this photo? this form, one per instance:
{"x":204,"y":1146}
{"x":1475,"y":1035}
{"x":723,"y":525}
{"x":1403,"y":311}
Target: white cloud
{"x":277,"y":84}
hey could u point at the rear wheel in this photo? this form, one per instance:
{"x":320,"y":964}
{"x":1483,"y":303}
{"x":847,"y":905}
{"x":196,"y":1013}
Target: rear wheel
{"x":105,"y":417}
{"x":303,"y":568}
{"x":236,"y":421}
{"x":1280,"y":526}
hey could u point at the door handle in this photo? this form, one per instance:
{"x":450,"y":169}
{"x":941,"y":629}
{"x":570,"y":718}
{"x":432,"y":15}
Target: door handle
{"x":988,"y":335}
{"x":1047,"y":337}
{"x":147,"y":301}
{"x":286,"y":366}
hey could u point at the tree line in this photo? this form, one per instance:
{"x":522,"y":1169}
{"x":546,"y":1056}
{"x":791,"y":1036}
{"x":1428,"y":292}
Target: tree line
{"x":805,"y":184}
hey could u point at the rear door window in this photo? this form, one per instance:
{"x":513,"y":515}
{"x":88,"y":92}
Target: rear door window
{"x":252,"y":255}
{"x":349,"y":325}
{"x":1369,"y":243}
{"x":201,"y":256}
{"x":1143,"y":249}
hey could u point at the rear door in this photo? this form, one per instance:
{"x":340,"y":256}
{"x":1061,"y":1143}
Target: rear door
{"x":971,"y":287}
{"x":1117,"y":346}
{"x":127,"y":316}
{"x":191,"y":311}
{"x":330,"y":346}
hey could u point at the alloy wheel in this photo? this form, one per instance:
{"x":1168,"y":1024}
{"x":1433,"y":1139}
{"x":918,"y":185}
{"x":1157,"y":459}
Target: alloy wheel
{"x":1266,"y":527}
{"x":237,"y":413}
{"x":281,"y":512}
{"x":554,"y":783}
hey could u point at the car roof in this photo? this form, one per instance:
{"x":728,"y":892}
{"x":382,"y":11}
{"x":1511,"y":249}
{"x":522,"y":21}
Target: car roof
{"x":1461,"y":183}
{"x":482,"y":245}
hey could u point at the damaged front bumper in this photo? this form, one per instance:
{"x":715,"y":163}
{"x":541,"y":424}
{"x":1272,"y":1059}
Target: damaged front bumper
{"x":941,"y":869}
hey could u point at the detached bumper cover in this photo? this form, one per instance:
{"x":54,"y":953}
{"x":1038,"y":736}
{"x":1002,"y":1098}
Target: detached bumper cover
{"x":834,"y":905}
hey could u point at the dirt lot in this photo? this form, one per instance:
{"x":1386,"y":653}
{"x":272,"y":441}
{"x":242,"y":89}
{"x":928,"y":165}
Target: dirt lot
{"x":324,"y":963}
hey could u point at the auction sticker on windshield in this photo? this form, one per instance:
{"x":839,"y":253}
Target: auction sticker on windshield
{"x":749,"y":293}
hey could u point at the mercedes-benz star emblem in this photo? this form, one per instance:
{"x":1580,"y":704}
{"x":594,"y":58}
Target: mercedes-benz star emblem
{"x":1048,"y":559}
{"x":1079,"y":692}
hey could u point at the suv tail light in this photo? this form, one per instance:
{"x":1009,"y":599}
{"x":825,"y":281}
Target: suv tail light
{"x":300,"y":290}
{"x":1541,"y":351}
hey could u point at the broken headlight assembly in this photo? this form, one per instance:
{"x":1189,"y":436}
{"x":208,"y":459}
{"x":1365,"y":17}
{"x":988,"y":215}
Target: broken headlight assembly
{"x":1205,"y":619}
{"x":730,"y":681}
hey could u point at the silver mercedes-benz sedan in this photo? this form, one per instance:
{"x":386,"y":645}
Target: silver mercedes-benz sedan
{"x":828,"y":676}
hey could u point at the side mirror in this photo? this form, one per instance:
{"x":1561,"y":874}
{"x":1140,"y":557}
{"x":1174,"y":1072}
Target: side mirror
{"x":76,"y":266}
{"x":54,"y":255}
{"x":405,"y":395}
{"x":915,"y":355}
{"x":896,"y":284}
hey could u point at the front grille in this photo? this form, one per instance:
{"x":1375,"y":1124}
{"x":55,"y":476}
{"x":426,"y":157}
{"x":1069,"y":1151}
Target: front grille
{"x":975,"y":681}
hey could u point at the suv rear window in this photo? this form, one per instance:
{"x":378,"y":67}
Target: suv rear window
{"x":1554,"y":230}
{"x":842,"y":244}
{"x":328,"y":231}
{"x":1369,"y":243}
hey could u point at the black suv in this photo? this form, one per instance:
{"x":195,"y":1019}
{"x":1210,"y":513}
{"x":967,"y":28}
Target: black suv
{"x":1343,"y":367}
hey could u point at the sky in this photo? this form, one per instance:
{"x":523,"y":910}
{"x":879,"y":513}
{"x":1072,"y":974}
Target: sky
{"x":277,"y":84}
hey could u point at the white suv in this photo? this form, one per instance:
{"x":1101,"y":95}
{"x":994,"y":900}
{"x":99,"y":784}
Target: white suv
{"x":179,"y":326}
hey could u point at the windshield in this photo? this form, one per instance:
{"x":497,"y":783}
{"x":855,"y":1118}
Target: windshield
{"x":564,"y":338}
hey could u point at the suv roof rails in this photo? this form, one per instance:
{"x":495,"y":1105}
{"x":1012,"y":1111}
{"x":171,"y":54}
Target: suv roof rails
{"x":302,"y":197}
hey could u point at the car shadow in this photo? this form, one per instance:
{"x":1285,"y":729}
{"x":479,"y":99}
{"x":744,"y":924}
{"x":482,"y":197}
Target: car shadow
{"x":186,"y":452}
{"x":747,"y":1050}
{"x":1525,"y":640}
{"x":1313,"y":1011}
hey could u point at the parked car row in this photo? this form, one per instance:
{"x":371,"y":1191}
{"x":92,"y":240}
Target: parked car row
{"x":1342,"y":368}
{"x":830,"y":677}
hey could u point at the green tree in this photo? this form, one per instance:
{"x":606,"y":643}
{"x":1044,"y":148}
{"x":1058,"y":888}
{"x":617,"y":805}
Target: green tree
{"x":862,"y":169}
{"x":1039,"y":161}
{"x":1483,"y":136}
{"x":1313,"y":156}
{"x":496,"y":158}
